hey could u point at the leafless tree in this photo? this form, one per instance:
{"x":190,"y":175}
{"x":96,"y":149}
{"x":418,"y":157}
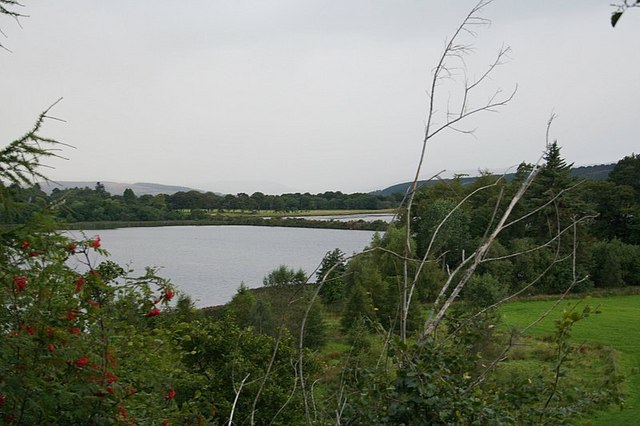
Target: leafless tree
{"x":449,"y":67}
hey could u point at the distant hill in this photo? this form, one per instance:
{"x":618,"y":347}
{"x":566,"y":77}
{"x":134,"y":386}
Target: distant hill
{"x":599,"y":172}
{"x":117,"y":188}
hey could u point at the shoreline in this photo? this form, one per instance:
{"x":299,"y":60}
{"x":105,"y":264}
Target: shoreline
{"x":287,"y":222}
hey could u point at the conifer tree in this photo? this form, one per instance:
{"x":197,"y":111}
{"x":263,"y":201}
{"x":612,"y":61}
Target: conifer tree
{"x":552,"y":187}
{"x":331,"y":271}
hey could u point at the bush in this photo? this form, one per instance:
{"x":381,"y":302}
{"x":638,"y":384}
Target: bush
{"x":64,"y":357}
{"x":615,"y":264}
{"x":284,"y":276}
{"x":484,"y":290}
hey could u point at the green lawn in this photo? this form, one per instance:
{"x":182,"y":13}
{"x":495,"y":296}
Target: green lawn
{"x":618,"y":326}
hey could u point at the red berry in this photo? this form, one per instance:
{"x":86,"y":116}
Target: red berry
{"x":79,"y":283}
{"x":20,"y":282}
{"x":81,"y":362}
{"x":153,"y":312}
{"x":95,"y":243}
{"x":171,"y":394}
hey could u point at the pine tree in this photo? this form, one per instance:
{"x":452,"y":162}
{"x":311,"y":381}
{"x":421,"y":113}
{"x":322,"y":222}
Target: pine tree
{"x":559,"y":205}
{"x":552,"y":186}
{"x":331,"y":271}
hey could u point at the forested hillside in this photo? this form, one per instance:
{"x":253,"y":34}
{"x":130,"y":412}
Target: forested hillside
{"x":599,"y":172}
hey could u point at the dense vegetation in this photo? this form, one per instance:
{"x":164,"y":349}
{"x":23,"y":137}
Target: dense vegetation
{"x":570,"y":236}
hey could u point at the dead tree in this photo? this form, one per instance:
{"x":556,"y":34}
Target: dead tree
{"x":450,"y":64}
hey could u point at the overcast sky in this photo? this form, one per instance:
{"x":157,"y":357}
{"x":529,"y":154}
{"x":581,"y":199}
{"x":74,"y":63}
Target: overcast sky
{"x":310,"y":96}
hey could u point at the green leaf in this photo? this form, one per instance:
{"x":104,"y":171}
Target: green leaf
{"x":615,"y":17}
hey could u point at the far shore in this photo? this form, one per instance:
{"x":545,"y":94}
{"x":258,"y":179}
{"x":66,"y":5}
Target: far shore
{"x":260,"y":218}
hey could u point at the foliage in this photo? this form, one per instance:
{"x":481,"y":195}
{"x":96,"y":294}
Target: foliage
{"x":19,"y":160}
{"x":615,"y":264}
{"x":374,"y":280}
{"x":9,"y":8}
{"x":331,"y":275}
{"x":616,"y":206}
{"x":91,"y":342}
{"x":59,"y":325}
{"x":275,"y":309}
{"x":445,"y":381}
{"x":621,"y":8}
{"x":551,"y":193}
{"x":225,"y":361}
{"x":63,"y":358}
{"x":484,"y":290}
{"x":284,"y":276}
{"x":279,"y":203}
{"x":85,"y":342}
{"x":359,"y":308}
{"x":597,"y":172}
{"x":627,"y":172}
{"x":85,"y":204}
{"x":451,"y":239}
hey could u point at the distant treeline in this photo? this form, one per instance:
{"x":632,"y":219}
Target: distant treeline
{"x":97,"y":205}
{"x":282,"y":203}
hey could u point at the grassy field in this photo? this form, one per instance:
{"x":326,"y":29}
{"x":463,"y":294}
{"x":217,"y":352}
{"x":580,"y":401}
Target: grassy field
{"x":616,"y":326}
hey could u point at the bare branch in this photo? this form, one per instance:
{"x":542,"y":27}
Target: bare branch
{"x":235,"y":401}
{"x":489,"y":107}
{"x":549,"y":122}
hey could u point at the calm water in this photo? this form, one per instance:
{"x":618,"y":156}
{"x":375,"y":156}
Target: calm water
{"x":210,"y":262}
